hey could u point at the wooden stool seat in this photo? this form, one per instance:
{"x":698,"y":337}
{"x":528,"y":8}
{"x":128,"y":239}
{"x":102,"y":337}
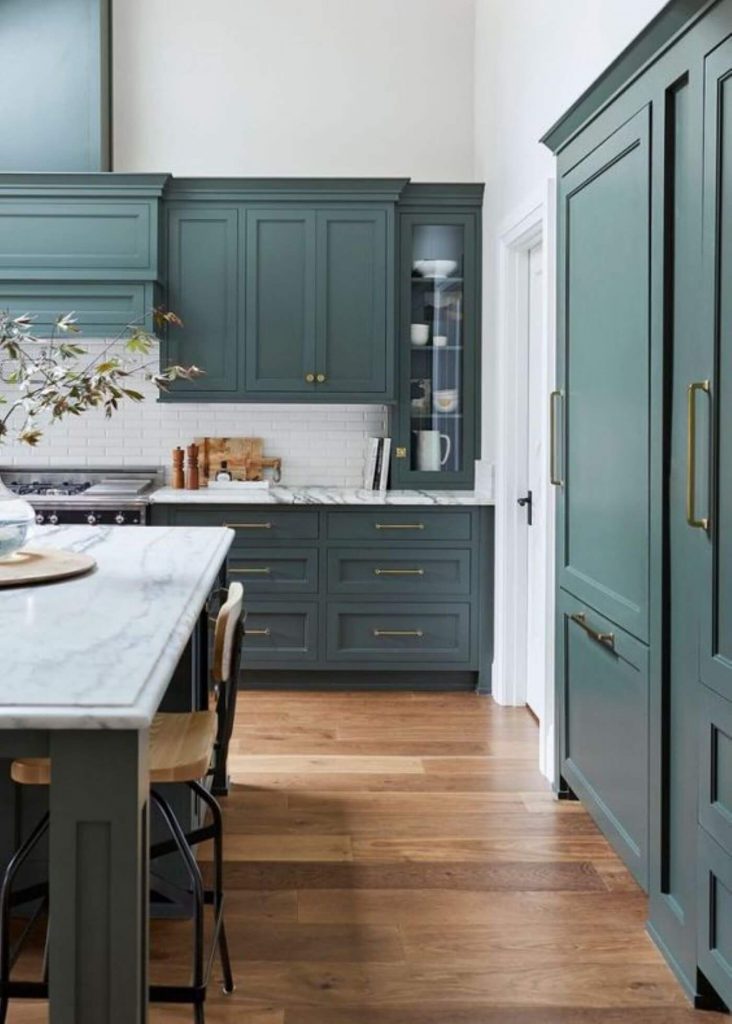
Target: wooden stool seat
{"x":181,"y":747}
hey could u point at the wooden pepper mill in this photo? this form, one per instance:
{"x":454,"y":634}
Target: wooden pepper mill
{"x":177,"y":480}
{"x":192,"y":467}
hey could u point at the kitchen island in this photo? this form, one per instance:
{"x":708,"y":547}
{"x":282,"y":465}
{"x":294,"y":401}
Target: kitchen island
{"x":86,"y":664}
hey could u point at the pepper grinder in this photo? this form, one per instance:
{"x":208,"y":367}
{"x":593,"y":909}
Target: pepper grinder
{"x":177,"y":480}
{"x":192,"y":467}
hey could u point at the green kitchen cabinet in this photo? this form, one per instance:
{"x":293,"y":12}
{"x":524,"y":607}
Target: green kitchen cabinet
{"x":437,"y":424}
{"x":203,"y":277}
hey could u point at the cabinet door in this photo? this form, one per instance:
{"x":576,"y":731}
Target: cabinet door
{"x":603,"y":369}
{"x":354,"y":317}
{"x":203,"y":291}
{"x":713,"y":409}
{"x":280,"y":301}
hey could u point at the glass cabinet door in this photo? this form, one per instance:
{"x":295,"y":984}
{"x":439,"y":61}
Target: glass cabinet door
{"x":437,"y":352}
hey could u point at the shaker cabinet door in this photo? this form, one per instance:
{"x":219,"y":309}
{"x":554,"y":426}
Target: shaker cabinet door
{"x":280,"y":301}
{"x":603,"y":369}
{"x":354,"y":319}
{"x":203,"y":291}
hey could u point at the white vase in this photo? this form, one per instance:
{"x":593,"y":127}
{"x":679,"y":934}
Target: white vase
{"x":16,"y":518}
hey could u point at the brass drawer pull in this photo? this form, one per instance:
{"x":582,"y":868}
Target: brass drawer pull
{"x":691,"y":517}
{"x":249,"y":526}
{"x":398,"y":572}
{"x":321,"y":378}
{"x":248,"y":572}
{"x":554,"y":479}
{"x":606,"y":639}
{"x":258,"y":632}
{"x":399,"y":632}
{"x":309,"y":378}
{"x":399,"y":526}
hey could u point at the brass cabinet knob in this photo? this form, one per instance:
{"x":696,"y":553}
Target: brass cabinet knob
{"x":310,"y":378}
{"x":321,"y":378}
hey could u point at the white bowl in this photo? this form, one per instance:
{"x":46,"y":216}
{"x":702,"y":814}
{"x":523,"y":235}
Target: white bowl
{"x":435,"y":268}
{"x":445,"y":400}
{"x":419,"y":334}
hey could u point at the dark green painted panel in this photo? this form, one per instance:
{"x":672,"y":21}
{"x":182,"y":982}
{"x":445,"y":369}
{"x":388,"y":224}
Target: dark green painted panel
{"x":54,"y":85}
{"x":202,"y":290}
{"x":265,"y":570}
{"x":77,"y":239}
{"x":418,"y":572}
{"x":250,"y":524}
{"x":398,"y":632}
{"x":715,"y":766}
{"x":603,"y":520}
{"x":715,"y":915}
{"x":280,"y":300}
{"x":354,"y":331}
{"x":604,"y":720}
{"x":280,"y":631}
{"x":387,"y":527}
{"x":101,"y":309}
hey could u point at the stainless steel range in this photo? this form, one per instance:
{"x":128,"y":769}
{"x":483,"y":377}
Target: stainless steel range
{"x":93,"y":496}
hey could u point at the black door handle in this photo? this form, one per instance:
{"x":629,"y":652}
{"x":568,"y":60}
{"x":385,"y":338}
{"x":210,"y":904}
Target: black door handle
{"x":528,"y":502}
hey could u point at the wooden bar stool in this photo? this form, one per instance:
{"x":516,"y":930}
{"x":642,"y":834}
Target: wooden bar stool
{"x":184,"y":749}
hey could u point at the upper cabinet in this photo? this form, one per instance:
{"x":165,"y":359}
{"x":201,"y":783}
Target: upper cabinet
{"x":300,"y":285}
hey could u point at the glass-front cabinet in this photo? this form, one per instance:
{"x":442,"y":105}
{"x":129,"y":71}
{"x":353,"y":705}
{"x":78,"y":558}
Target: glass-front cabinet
{"x":435,"y":438}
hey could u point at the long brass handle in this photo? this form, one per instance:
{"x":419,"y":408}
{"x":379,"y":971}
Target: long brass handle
{"x":399,"y":526}
{"x":691,"y":517}
{"x":249,"y":526}
{"x":399,"y":632}
{"x":398,"y":572}
{"x":310,"y":378}
{"x":321,"y":378}
{"x":554,"y":479}
{"x":250,"y":572}
{"x":258,"y":632}
{"x":606,"y":639}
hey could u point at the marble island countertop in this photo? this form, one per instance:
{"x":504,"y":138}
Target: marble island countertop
{"x":98,"y":651}
{"x":315,"y":496}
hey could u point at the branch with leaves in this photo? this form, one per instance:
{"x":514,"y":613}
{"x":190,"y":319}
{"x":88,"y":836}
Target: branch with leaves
{"x":56,"y":377}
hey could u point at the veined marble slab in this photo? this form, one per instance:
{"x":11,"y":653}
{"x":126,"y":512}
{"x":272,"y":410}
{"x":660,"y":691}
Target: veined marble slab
{"x":316,"y":496}
{"x":98,"y":651}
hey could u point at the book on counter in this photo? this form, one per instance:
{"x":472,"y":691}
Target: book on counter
{"x":376,"y":471}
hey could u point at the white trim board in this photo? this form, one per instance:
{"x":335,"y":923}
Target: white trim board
{"x":530,"y":225}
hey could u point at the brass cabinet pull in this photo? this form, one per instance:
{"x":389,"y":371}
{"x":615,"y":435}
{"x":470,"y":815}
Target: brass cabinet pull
{"x":321,"y":378}
{"x":399,"y":526}
{"x":247,"y":572}
{"x":555,"y":480}
{"x":398,"y":572}
{"x":249,"y":526}
{"x":258,"y":632}
{"x":399,"y":632}
{"x":606,"y":639}
{"x":310,"y":378}
{"x":691,"y":517}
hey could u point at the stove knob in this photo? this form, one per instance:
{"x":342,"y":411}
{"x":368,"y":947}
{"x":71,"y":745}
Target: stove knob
{"x":119,"y":519}
{"x":53,"y":519}
{"x":40,"y":518}
{"x":91,"y":519}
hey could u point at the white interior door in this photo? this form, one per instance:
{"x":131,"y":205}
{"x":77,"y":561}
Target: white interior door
{"x":536,"y":476}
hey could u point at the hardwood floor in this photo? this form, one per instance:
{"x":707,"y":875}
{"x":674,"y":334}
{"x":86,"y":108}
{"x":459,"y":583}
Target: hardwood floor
{"x":398,"y":859}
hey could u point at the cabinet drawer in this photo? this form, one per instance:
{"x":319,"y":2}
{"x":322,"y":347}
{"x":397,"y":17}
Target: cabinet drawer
{"x":397,"y":527}
{"x":275,"y":570}
{"x":392,"y":571}
{"x":603,"y":691}
{"x":277,"y":631}
{"x":715,"y":764}
{"x":251,"y":525}
{"x":715,"y":915}
{"x":399,"y":632}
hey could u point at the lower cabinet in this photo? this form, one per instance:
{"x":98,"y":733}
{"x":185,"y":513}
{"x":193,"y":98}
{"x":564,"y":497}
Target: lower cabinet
{"x":603,"y":696}
{"x":336,"y":594}
{"x":714,"y":940}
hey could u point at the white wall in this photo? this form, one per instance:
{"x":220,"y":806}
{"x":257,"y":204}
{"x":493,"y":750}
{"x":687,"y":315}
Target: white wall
{"x":295,"y":87}
{"x":533,"y":58}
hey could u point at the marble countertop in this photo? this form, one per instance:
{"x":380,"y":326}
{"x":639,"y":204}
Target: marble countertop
{"x":98,"y":651}
{"x":315,"y":496}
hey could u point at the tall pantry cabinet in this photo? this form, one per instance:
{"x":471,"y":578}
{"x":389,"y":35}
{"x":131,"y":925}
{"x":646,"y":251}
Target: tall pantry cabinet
{"x":642,"y":463}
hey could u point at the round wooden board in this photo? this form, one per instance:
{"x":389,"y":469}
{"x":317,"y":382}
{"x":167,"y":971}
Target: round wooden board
{"x":38,"y":565}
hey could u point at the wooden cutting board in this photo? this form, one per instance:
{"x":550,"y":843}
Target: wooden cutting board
{"x":39,"y":565}
{"x":242,"y":455}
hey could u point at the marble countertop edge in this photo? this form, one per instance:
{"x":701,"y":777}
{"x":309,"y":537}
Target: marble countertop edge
{"x":333,"y":496}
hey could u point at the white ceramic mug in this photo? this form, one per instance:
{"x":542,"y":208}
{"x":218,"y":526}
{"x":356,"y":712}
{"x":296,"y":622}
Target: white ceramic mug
{"x":419,"y":334}
{"x":429,"y":455}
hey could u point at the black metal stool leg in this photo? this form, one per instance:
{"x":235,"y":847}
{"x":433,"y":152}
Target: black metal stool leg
{"x":218,"y":839}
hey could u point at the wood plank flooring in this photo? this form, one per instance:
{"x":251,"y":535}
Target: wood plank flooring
{"x":398,"y":859}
